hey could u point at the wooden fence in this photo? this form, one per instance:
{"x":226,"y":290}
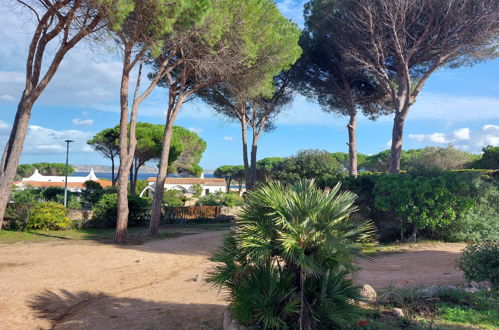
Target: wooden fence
{"x":192,"y":212}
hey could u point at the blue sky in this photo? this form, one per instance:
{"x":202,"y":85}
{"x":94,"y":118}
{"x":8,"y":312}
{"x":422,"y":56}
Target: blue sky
{"x":459,"y":106}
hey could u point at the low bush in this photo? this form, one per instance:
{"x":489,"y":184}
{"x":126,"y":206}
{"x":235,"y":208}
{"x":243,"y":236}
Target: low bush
{"x":105,"y":212}
{"x":480,"y":262}
{"x":21,"y":208}
{"x":49,"y":216}
{"x":173,"y":197}
{"x":230,"y":199}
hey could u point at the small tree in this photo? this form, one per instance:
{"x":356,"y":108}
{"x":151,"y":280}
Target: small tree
{"x":106,"y":143}
{"x":401,"y":43}
{"x":490,"y":158}
{"x":266,"y":167}
{"x":226,"y":172}
{"x":92,"y":193}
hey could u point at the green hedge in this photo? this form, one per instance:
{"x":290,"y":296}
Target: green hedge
{"x":449,"y":205}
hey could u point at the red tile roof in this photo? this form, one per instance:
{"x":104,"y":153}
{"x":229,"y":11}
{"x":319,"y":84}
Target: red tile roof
{"x":202,"y":181}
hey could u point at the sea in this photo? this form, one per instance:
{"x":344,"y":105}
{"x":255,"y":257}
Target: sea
{"x":141,"y":176}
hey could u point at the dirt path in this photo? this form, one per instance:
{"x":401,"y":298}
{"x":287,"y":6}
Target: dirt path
{"x":419,"y":265}
{"x":157,"y":285}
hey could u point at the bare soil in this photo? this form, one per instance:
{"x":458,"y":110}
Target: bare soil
{"x":157,"y":285}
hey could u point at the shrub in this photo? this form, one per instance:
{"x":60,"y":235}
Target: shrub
{"x":49,"y":216}
{"x":105,"y":212}
{"x":480,"y":262}
{"x":289,"y":261}
{"x":173,"y":197}
{"x":24,"y":201}
{"x":197,"y":190}
{"x":230,"y":199}
{"x":92,"y":193}
{"x":53,"y":194}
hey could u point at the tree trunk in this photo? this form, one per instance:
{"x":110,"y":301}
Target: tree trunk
{"x":228,"y":181}
{"x":113,"y":179}
{"x":245,"y":154}
{"x":125,"y":163}
{"x":12,"y":152}
{"x":396,"y":150}
{"x":254,"y":150}
{"x":352,"y":143}
{"x":163,"y":168}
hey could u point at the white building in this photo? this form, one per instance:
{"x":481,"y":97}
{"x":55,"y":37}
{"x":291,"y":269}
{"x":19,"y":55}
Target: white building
{"x":186,"y":185}
{"x":75,"y":183}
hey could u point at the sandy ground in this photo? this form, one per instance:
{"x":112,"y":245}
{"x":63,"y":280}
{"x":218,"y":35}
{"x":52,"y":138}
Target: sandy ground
{"x":420,"y":265}
{"x":157,"y":285}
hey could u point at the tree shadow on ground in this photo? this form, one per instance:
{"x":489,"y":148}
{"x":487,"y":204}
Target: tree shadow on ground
{"x":87,"y":310}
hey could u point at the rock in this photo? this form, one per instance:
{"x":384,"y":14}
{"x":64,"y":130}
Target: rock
{"x":368,"y":293}
{"x":430,"y":292}
{"x":398,"y":312}
{"x":471,"y":290}
{"x":391,"y":298}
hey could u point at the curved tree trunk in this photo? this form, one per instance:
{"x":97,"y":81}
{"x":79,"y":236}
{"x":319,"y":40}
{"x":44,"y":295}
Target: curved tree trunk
{"x":163,"y":168}
{"x":113,"y":179}
{"x":12,"y":152}
{"x":352,"y":143}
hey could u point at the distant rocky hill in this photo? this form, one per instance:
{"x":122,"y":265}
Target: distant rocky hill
{"x":107,"y":169}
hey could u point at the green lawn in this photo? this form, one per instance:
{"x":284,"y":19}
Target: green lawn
{"x":136,"y":235}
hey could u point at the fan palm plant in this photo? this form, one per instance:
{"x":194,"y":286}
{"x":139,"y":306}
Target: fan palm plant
{"x":287,"y":263}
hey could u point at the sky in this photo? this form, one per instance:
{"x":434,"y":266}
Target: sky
{"x":458,"y":107}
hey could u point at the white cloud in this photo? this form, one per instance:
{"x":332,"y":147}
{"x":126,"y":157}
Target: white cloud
{"x":490,"y":127}
{"x":435,"y":137}
{"x":462,"y":134}
{"x":7,"y":98}
{"x":228,"y":138}
{"x":79,"y":122}
{"x":42,"y":140}
{"x":195,"y":130}
{"x":463,"y":138}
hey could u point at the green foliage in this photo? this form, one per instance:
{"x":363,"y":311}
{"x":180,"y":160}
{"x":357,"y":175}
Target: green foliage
{"x":308,"y":164}
{"x":266,"y":167}
{"x":92,"y":193}
{"x":173,"y":197}
{"x":74,"y":203}
{"x":425,"y":202}
{"x":227,"y":172}
{"x":436,"y":158}
{"x":141,"y":185}
{"x":26,"y":170}
{"x":481,"y":223}
{"x":480,"y":262}
{"x":49,"y":216}
{"x":105,"y":212}
{"x":221,"y":199}
{"x":193,"y":147}
{"x":53,"y":194}
{"x":197,"y":190}
{"x":489,"y":159}
{"x":21,"y":208}
{"x":292,"y":252}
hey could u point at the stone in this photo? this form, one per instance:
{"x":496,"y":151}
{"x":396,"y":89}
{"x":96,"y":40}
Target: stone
{"x":430,"y":292}
{"x":368,"y":293}
{"x":391,"y":298}
{"x":398,"y":312}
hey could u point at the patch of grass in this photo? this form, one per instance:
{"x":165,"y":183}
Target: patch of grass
{"x":375,"y":248}
{"x":136,"y":235}
{"x":487,"y":319}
